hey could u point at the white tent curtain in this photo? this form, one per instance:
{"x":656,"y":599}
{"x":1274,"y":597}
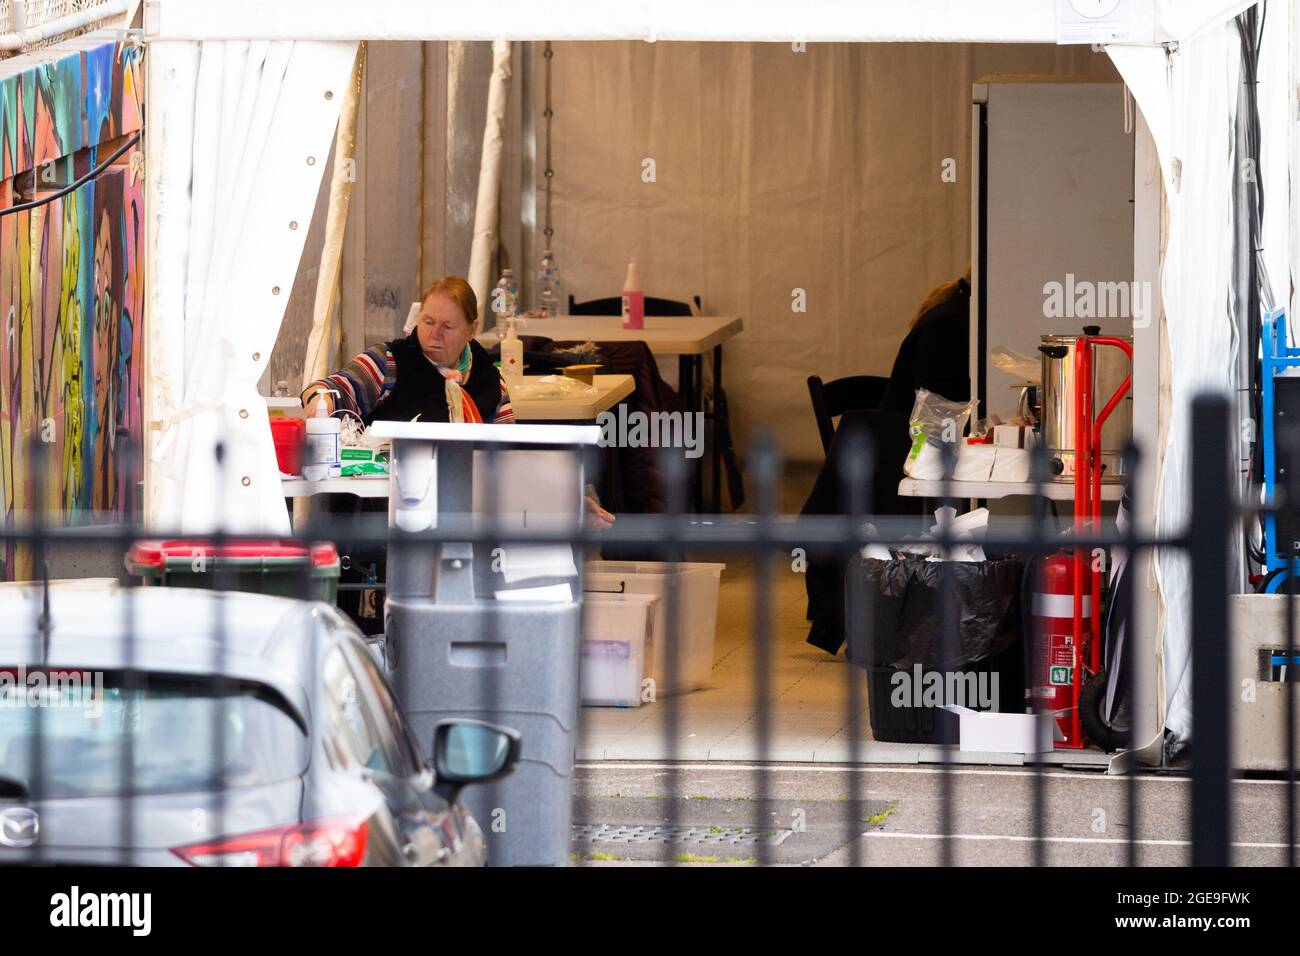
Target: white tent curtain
{"x":242,"y":131}
{"x":1177,"y":91}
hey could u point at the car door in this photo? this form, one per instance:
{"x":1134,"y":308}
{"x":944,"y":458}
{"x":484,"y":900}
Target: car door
{"x":383,"y":763}
{"x":407,"y":752}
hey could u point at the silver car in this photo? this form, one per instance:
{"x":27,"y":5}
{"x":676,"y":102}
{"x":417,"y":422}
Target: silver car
{"x":229,"y":729}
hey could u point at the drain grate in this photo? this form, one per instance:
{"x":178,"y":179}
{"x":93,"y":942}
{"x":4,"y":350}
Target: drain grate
{"x":617,"y":834}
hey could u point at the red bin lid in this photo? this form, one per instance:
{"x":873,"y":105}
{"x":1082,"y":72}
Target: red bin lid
{"x":156,"y":553}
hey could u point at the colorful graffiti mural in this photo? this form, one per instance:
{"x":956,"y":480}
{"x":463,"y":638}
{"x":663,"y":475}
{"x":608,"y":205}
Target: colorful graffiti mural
{"x":71,"y":291}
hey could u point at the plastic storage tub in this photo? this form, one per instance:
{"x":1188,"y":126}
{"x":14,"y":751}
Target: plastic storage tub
{"x":615,"y":631}
{"x":695,"y":587}
{"x":263,"y":567}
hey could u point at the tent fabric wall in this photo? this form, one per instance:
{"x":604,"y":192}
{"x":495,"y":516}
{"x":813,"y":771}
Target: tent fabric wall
{"x":781,"y":182}
{"x":242,"y":131}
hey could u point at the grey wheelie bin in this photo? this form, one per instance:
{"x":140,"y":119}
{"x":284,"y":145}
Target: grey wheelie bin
{"x":491,"y":631}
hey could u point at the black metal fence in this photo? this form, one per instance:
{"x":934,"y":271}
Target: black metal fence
{"x":766,"y":538}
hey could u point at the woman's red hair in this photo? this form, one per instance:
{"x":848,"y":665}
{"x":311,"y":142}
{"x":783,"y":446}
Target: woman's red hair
{"x":459,"y":291}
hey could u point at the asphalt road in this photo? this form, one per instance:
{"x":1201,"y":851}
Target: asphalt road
{"x":810,"y":817}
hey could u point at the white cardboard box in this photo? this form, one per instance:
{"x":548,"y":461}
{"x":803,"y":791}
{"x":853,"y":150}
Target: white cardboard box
{"x":993,"y":733}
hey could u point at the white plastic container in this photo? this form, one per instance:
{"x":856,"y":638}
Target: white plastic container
{"x":321,"y":454}
{"x":697,"y":614}
{"x":615,"y":631}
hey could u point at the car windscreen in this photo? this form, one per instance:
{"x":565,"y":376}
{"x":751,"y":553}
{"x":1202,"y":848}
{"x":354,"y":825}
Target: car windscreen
{"x":173,"y":728}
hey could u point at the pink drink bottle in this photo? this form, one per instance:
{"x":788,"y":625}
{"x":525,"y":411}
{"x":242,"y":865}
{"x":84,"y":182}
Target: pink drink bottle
{"x":633,"y":300}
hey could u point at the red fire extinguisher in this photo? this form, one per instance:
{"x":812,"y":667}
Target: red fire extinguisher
{"x":1058,"y":654}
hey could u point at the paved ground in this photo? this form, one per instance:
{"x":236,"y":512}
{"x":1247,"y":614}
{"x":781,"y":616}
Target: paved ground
{"x":812,"y":820}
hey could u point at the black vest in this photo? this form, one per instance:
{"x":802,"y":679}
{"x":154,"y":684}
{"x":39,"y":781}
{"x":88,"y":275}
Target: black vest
{"x":421,"y":390}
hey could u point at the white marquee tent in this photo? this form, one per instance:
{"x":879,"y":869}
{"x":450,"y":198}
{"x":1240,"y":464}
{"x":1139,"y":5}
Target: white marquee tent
{"x":243,"y":101}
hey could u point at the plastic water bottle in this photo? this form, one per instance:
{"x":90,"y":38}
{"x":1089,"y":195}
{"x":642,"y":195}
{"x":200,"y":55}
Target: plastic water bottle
{"x":505,"y":298}
{"x":548,"y":285}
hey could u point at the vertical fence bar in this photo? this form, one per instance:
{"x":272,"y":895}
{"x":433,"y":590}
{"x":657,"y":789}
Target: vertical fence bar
{"x":1037,"y":554}
{"x":1127,"y":683}
{"x":39,"y":473}
{"x":676,"y":478}
{"x":855,"y":489}
{"x":1207,"y":545}
{"x":132,"y":690}
{"x":222,"y":580}
{"x":766,"y":471}
{"x":493,"y":678}
{"x":948,"y":639}
{"x":1290,"y":503}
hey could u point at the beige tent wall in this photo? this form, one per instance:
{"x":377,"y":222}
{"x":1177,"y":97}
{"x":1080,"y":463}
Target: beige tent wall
{"x":774,"y":171}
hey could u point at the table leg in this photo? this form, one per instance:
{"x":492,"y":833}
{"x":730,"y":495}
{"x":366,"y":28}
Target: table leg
{"x":687,"y":378}
{"x":301,"y":513}
{"x":697,"y":390}
{"x":715,"y":450}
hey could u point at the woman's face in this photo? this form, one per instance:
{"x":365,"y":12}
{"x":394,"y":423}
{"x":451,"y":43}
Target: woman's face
{"x":443,"y":329}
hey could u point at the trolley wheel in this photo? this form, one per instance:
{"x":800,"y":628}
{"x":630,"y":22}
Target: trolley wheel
{"x":1092,"y":699}
{"x":1269,"y":584}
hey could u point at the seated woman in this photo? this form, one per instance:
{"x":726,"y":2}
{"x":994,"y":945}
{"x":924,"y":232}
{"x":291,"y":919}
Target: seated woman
{"x":437,"y":373}
{"x":934,"y":356}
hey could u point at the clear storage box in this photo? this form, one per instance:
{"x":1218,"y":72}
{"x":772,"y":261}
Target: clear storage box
{"x":615,"y":631}
{"x":694,"y":587}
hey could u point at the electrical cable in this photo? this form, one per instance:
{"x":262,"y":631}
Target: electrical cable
{"x":76,"y":183}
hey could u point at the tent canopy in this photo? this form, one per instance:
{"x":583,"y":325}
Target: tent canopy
{"x":941,"y":21}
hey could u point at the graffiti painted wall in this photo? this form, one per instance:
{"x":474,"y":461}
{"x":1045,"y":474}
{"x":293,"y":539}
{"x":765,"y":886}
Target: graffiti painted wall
{"x":71,"y":289}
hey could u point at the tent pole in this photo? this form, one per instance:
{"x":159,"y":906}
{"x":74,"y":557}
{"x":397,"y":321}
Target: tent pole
{"x":487,"y":204}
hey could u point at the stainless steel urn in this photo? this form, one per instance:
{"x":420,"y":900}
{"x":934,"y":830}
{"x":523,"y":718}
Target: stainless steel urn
{"x":1110,"y":366}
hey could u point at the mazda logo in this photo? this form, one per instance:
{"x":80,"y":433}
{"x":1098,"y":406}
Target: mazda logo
{"x":19,"y":827}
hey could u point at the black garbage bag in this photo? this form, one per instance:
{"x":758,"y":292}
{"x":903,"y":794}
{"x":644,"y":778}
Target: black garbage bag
{"x":903,"y":611}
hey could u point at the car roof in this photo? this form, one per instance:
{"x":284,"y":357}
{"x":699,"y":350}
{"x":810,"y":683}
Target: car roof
{"x":175,"y":630}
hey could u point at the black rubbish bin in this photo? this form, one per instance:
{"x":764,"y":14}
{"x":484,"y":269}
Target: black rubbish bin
{"x":914,"y":666}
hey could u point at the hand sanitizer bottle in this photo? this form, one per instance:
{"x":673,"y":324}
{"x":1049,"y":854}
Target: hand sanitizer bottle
{"x":512,"y":353}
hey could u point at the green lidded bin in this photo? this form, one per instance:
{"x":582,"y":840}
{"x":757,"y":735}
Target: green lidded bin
{"x":266,"y":566}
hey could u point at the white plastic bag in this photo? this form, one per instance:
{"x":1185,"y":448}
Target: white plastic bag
{"x":935,"y":422}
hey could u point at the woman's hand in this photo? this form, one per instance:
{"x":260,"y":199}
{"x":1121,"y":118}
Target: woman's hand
{"x":594,"y":516}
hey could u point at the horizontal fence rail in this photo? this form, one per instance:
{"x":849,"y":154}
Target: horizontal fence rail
{"x":765,"y":540}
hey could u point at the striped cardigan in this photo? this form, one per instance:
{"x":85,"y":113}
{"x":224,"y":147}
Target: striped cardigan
{"x":368,"y":379}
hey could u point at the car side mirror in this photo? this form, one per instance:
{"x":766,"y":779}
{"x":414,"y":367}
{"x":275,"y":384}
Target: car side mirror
{"x":471,"y":751}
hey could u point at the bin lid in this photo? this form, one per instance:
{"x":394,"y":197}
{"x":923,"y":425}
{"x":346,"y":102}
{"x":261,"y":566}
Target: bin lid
{"x":157,"y":553}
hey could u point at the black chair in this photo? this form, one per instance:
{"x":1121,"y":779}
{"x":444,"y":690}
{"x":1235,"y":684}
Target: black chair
{"x":830,"y":400}
{"x":614,"y":306}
